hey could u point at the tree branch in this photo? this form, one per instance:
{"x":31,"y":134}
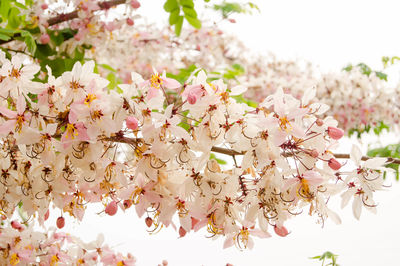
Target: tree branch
{"x":69,"y":16}
{"x":230,"y":152}
{"x":74,"y":14}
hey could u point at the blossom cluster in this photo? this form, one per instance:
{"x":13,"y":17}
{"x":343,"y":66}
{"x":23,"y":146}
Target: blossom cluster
{"x":23,"y":245}
{"x":141,"y":47}
{"x":356,"y":100}
{"x":84,"y":17}
{"x":71,"y":142}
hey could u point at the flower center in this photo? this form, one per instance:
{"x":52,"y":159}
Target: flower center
{"x":15,"y":73}
{"x":20,"y":121}
{"x":14,"y":259}
{"x":71,"y":131}
{"x":89,"y":99}
{"x":75,"y":85}
{"x":156,"y":81}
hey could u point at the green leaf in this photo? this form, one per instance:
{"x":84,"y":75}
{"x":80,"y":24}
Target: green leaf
{"x":13,"y":18}
{"x":193,"y":21}
{"x":4,"y":37}
{"x":4,"y":8}
{"x":187,"y":3}
{"x":20,"y":5}
{"x":219,"y":161}
{"x":174,"y":17}
{"x":366,"y":70}
{"x":9,"y":32}
{"x":254,"y":6}
{"x":189,"y":12}
{"x":348,"y":68}
{"x":29,"y":41}
{"x":171,"y":5}
{"x":381,"y":75}
{"x":108,"y":67}
{"x":178,"y":26}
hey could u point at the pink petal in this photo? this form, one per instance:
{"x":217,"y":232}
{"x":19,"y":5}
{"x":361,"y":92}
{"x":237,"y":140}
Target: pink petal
{"x":21,"y":104}
{"x":171,"y":83}
{"x":7,"y":126}
{"x":228,"y":242}
{"x":8,"y":113}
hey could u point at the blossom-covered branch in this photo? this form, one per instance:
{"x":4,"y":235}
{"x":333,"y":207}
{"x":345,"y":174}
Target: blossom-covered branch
{"x":149,"y":146}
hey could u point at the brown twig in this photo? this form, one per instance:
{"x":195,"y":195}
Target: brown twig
{"x":231,"y":152}
{"x":74,"y":14}
{"x":71,"y":15}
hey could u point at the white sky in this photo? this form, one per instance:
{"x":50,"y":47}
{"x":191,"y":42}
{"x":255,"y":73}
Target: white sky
{"x":330,"y":34}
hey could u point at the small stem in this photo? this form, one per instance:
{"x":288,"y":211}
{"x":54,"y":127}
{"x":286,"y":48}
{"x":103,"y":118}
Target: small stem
{"x":231,"y":152}
{"x":71,"y":15}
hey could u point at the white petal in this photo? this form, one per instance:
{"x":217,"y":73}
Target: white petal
{"x":309,"y":94}
{"x":357,"y":207}
{"x":237,"y":90}
{"x":355,"y":154}
{"x":375,"y":163}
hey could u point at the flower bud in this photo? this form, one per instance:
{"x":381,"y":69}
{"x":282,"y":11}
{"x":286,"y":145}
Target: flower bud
{"x":135,"y":4}
{"x":111,"y":208}
{"x":314,"y":153}
{"x":44,"y":6}
{"x":334,"y":164}
{"x":45,"y":38}
{"x":16,"y":225}
{"x":148,"y":221}
{"x":319,"y":122}
{"x":131,"y":123}
{"x":191,"y":98}
{"x":182,"y":232}
{"x":335,"y":133}
{"x":46,"y":215}
{"x":127,"y":204}
{"x":129,"y":21}
{"x":60,"y":222}
{"x":231,"y":20}
{"x":281,"y":231}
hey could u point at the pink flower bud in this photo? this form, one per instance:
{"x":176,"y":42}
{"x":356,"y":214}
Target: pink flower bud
{"x":281,"y":231}
{"x":135,"y":4}
{"x":60,"y":222}
{"x":45,"y":38}
{"x":127,"y":204}
{"x":16,"y":225}
{"x":334,"y":164}
{"x":44,"y":6}
{"x":191,"y":98}
{"x":231,"y":20}
{"x":182,"y":232}
{"x":164,"y":263}
{"x":131,"y":123}
{"x":198,"y":48}
{"x":111,"y":208}
{"x":148,"y":221}
{"x":129,"y":21}
{"x":46,"y":215}
{"x":314,"y":153}
{"x":319,"y":122}
{"x":335,"y":133}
